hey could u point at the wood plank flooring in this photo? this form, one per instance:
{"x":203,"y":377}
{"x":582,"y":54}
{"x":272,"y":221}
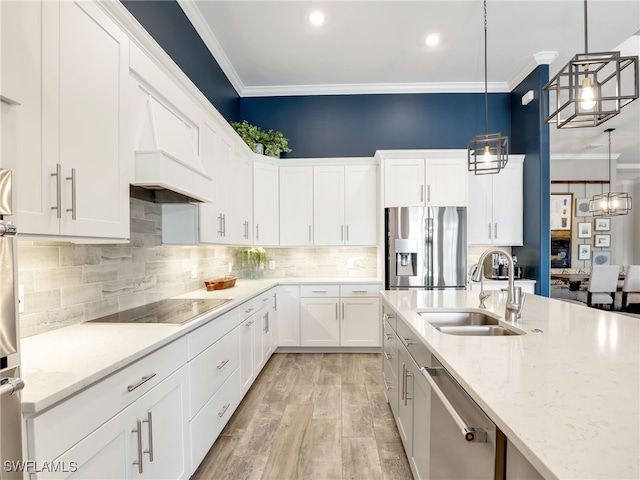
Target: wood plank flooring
{"x":311,"y":416}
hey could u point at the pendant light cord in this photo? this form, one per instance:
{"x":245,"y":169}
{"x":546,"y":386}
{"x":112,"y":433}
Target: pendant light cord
{"x":586,"y":44}
{"x":486,"y":96}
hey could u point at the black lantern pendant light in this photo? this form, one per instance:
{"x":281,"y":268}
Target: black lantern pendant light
{"x":611,"y":203}
{"x":591,"y":88}
{"x":487,"y":153}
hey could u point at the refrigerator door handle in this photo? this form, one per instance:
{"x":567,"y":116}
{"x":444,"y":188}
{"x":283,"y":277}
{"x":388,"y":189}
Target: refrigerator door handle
{"x":428,"y":251}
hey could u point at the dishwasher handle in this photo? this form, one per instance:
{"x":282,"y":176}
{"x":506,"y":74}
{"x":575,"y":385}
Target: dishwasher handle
{"x":9,"y":386}
{"x":470,"y":434}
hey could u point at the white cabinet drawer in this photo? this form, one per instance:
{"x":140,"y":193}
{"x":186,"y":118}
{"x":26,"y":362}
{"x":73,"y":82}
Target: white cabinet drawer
{"x":209,"y":422}
{"x":246,"y":310}
{"x":57,"y":429}
{"x":264,"y":299}
{"x":360,"y":290}
{"x":308,"y":291}
{"x":205,"y":336}
{"x":209,"y":370}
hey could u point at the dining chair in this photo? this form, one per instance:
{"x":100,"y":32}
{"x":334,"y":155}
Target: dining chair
{"x":631,"y":286}
{"x":603,"y":282}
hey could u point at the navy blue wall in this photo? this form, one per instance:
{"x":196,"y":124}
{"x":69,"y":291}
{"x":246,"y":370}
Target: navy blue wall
{"x":358,"y":125}
{"x":169,"y":26}
{"x":530,"y":135}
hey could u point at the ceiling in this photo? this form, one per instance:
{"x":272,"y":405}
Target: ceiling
{"x":270,"y":48}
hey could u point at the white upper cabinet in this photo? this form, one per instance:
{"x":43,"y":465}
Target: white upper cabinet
{"x":424,"y":178}
{"x":344,"y":205}
{"x":265,"y":203}
{"x":76,"y":181}
{"x":361,"y":202}
{"x":328,"y":201}
{"x":495,"y":214}
{"x":241,"y":222}
{"x":296,"y":206}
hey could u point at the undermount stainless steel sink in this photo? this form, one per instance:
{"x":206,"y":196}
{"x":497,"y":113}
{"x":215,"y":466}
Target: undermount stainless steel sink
{"x":478,"y":331}
{"x":467,"y":323}
{"x":458,"y":319}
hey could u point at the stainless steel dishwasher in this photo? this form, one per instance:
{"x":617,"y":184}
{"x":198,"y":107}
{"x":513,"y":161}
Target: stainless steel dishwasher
{"x":463,"y":441}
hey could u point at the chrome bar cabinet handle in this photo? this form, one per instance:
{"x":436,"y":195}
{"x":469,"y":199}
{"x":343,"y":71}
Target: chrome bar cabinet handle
{"x":143,"y":380}
{"x":149,"y":421}
{"x":138,"y":430}
{"x":58,"y":176}
{"x":73,"y":194}
{"x":257,"y":231}
{"x":222,"y":364}
{"x":224,"y":409}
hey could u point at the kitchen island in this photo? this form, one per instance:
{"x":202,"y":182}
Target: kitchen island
{"x":568,"y":397}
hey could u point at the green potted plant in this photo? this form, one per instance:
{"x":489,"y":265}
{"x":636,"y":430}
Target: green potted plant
{"x":276,"y":143}
{"x":250,"y":134}
{"x":252,"y":261}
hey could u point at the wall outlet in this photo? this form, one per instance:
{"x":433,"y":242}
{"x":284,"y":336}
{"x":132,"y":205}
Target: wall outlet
{"x":20,"y":298}
{"x":194,"y":271}
{"x":272,"y":264}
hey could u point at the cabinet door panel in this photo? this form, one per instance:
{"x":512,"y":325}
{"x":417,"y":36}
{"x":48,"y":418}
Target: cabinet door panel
{"x":166,"y":430}
{"x":360,"y":325}
{"x":360,"y":204}
{"x":406,"y":372}
{"x":421,"y":423}
{"x":447,"y":182}
{"x":328,"y":206}
{"x":288,"y":306}
{"x":404,"y":183}
{"x":93,"y":56}
{"x":247,"y":340}
{"x":319,"y":325}
{"x":296,"y":206}
{"x":103,"y":455}
{"x":265,"y":204}
{"x":507,"y":206}
{"x":479,"y":212}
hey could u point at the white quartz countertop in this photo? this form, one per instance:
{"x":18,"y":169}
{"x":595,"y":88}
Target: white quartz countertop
{"x":568,"y":397}
{"x":62,"y":362}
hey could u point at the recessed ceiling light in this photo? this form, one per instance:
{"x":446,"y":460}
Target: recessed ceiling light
{"x":433,"y":40}
{"x":316,"y":18}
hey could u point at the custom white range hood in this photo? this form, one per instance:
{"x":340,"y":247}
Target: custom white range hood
{"x":165,"y":124}
{"x":166,"y":155}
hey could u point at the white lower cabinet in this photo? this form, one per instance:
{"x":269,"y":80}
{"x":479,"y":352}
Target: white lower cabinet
{"x":148,"y":439}
{"x":359,"y":319}
{"x":404,"y":419}
{"x":247,"y":340}
{"x":288,"y":306}
{"x":319,"y":322}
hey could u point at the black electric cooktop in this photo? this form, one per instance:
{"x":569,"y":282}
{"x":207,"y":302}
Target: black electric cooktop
{"x":172,"y":310}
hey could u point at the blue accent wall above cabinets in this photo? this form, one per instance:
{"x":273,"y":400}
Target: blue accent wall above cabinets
{"x":358,"y":125}
{"x":169,"y":26}
{"x":530,"y":135}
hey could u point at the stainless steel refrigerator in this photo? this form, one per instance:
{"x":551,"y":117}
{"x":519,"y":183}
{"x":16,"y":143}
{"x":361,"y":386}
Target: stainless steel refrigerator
{"x":10,"y":383}
{"x":426,"y":247}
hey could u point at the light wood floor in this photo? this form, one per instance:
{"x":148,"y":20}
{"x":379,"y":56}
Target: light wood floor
{"x":311,"y":416}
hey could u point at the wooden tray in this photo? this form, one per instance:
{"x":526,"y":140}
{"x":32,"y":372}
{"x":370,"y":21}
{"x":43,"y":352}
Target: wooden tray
{"x":220,"y":283}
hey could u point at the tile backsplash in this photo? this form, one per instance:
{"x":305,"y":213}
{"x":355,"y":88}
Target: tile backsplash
{"x":67,"y":283}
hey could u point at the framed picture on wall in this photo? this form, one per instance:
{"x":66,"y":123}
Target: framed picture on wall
{"x":582,"y":207}
{"x":584,"y":252}
{"x":602,"y":224}
{"x":584,"y":230}
{"x":602,"y":258}
{"x":602,"y":240}
{"x":561,"y":211}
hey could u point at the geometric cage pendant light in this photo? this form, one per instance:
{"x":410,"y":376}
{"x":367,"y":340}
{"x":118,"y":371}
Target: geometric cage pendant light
{"x":487,"y":153}
{"x":591,"y":88}
{"x":611,"y":203}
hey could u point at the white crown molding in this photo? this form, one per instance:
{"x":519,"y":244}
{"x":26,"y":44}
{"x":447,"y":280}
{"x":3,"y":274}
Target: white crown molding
{"x":194,"y":15}
{"x":540,"y":58}
{"x":373,"y":88}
